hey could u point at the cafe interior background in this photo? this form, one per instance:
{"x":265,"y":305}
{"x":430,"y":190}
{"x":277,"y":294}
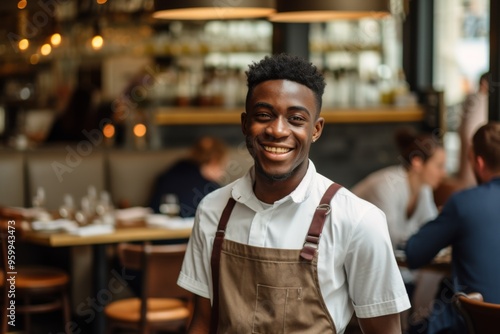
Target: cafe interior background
{"x":197,"y":67}
{"x":179,"y":79}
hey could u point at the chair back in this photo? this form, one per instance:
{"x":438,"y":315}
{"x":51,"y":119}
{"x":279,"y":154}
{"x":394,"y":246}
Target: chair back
{"x":160,"y":266}
{"x":12,"y":185}
{"x":480,"y":317}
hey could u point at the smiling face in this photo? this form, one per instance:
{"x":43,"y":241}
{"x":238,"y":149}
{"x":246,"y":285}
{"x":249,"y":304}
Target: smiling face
{"x":280,"y":124}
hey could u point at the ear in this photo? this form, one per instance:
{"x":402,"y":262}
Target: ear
{"x":244,"y":123}
{"x":318,"y":128}
{"x":417,"y":163}
{"x":479,"y":162}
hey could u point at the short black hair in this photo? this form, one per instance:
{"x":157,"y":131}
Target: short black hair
{"x":486,"y":144}
{"x":287,"y":67}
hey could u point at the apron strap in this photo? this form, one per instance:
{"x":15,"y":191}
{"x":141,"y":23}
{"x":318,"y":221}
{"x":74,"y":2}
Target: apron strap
{"x":311,"y":244}
{"x":215,"y":262}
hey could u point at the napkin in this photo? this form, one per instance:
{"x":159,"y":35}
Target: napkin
{"x":131,"y":214}
{"x":164,"y":221}
{"x":54,"y":225}
{"x":93,"y":230}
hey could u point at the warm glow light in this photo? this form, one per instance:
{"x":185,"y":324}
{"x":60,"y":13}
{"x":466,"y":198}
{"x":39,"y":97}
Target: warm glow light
{"x":23,"y":44}
{"x":108,"y":131}
{"x":139,"y":130}
{"x":34,"y":59}
{"x":22,"y":4}
{"x":101,"y":2}
{"x":212,"y":10}
{"x":97,"y":42}
{"x":56,"y":39}
{"x":212,"y":13}
{"x":46,"y":49}
{"x":321,"y":10}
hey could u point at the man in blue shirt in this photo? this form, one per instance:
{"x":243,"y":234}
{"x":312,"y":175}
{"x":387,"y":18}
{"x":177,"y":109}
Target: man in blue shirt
{"x":470,"y":224}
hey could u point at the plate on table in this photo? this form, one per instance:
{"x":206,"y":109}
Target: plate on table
{"x":159,"y":220}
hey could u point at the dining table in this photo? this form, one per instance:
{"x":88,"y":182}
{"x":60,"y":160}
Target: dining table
{"x":137,"y":230}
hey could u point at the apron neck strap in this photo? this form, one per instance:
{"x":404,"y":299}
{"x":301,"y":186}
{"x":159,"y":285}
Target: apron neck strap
{"x":311,"y":244}
{"x":215,"y":262}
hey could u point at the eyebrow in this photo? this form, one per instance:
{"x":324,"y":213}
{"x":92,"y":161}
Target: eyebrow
{"x":269,"y":106}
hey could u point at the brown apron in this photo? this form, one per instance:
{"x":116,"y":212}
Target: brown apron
{"x":269,"y":290}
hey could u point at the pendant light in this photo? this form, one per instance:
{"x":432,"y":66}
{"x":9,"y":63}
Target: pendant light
{"x":326,"y":10}
{"x":212,"y":9}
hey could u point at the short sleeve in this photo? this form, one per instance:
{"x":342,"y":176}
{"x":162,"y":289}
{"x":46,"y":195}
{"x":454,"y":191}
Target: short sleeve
{"x":375,"y":283}
{"x":195,"y":275}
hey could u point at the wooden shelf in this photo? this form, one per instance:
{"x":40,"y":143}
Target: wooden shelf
{"x":214,"y":115}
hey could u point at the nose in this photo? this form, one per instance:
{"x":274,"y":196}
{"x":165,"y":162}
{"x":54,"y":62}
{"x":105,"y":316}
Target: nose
{"x":278,"y":128}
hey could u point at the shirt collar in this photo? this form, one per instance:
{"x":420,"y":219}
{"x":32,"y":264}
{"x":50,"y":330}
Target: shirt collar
{"x":242,"y":190}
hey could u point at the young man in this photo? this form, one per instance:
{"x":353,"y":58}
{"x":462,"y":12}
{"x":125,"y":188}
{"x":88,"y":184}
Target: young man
{"x":470,"y":224}
{"x":260,"y":258}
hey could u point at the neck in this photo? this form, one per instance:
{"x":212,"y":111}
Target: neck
{"x":489,"y":175}
{"x":271,"y":192}
{"x":414,"y":182}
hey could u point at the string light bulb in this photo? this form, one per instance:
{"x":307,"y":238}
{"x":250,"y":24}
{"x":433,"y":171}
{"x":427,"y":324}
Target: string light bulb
{"x":140,"y":130}
{"x":97,"y":41}
{"x":22,"y":4}
{"x":108,"y":130}
{"x":23,"y":44}
{"x":45,"y":49}
{"x":55,"y":39}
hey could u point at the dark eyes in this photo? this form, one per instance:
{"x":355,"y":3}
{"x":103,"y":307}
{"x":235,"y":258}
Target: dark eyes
{"x":297,"y":118}
{"x":265,"y":116}
{"x":262,"y":116}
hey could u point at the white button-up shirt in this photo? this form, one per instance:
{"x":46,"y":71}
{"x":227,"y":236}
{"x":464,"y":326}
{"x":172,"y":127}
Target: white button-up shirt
{"x":356,"y":266}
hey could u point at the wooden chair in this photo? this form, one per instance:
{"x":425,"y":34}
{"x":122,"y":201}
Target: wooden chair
{"x":480,"y":317}
{"x":163,"y":304}
{"x":38,"y":289}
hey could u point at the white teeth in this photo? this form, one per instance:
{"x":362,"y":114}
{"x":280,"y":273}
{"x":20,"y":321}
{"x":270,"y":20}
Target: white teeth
{"x":276,"y":149}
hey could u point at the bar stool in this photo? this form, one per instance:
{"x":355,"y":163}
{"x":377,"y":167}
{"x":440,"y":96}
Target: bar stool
{"x":37,"y":289}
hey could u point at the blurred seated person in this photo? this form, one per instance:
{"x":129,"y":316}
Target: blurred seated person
{"x":78,"y":115}
{"x":190,"y":179}
{"x":193,"y":177}
{"x":405,"y":192}
{"x":470,"y":224}
{"x":475,"y":114}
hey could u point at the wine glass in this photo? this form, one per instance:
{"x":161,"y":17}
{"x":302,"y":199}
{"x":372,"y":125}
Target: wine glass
{"x":170,"y":205}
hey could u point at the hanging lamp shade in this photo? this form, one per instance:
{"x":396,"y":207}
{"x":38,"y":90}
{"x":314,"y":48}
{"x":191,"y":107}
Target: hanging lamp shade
{"x":212,"y":9}
{"x":326,"y":10}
